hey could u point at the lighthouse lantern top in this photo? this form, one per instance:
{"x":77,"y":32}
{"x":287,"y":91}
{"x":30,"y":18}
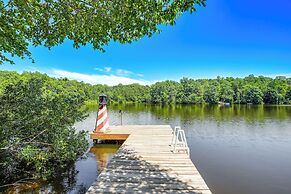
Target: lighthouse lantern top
{"x":102,"y":99}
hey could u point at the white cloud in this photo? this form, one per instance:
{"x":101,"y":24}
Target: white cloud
{"x":98,"y":79}
{"x":123,"y":72}
{"x":98,"y":69}
{"x":288,"y":75}
{"x":284,"y":74}
{"x":107,"y":69}
{"x":118,"y":72}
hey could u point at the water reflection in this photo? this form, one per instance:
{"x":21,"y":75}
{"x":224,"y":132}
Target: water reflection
{"x":103,"y":153}
{"x":77,"y":178}
{"x":250,"y":113}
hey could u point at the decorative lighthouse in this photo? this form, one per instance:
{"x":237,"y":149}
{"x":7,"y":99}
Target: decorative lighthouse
{"x":102,"y":117}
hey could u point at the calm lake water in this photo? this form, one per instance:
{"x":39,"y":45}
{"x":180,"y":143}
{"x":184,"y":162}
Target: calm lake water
{"x":237,"y":149}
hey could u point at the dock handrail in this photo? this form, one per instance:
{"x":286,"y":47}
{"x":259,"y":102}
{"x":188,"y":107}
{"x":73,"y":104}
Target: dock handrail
{"x":179,"y":141}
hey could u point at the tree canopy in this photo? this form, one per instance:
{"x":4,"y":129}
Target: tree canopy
{"x":50,"y":22}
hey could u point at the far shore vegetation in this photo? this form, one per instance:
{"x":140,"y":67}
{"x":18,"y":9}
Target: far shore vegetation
{"x":249,"y":90}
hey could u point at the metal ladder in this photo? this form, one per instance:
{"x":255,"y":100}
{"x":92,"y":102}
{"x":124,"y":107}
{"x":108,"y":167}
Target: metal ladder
{"x":179,"y":142}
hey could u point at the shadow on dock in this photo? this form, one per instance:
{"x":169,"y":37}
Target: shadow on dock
{"x":129,"y":173}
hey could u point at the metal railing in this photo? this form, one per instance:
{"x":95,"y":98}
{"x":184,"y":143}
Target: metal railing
{"x":179,"y":141}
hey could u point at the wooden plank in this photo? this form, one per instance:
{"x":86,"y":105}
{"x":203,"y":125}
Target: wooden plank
{"x":145,"y":163}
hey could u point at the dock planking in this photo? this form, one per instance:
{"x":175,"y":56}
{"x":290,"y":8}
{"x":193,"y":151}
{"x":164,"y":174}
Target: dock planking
{"x":145,"y":163}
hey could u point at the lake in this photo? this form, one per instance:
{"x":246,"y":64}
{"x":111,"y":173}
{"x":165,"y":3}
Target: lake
{"x":241,"y":149}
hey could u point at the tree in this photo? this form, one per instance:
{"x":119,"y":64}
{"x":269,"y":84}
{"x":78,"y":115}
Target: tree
{"x":271,"y":96}
{"x":288,"y":95}
{"x":36,"y":133}
{"x":191,"y":92}
{"x":129,"y":93}
{"x":226,"y":92}
{"x":50,"y":22}
{"x":252,"y":94}
{"x":6,"y":78}
{"x":164,"y":92}
{"x":237,"y":89}
{"x":276,"y":91}
{"x":211,"y":94}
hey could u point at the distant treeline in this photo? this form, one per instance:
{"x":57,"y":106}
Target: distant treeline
{"x":251,"y":89}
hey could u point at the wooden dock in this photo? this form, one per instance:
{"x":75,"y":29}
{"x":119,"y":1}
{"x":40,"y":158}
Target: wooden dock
{"x":145,"y":163}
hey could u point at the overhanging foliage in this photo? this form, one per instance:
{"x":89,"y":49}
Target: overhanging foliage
{"x":97,"y":22}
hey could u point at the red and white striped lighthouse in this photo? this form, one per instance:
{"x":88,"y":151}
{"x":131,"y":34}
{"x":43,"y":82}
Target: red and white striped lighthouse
{"x":102,"y":117}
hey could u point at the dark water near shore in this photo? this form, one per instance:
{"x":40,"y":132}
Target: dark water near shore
{"x":237,"y":149}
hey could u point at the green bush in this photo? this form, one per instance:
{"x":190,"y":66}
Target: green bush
{"x":36,"y":133}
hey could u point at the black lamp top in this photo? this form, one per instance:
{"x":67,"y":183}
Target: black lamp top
{"x":102,"y":99}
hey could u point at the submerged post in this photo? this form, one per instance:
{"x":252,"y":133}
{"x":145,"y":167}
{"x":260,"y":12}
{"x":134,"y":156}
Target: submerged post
{"x":102,"y":117}
{"x":120,"y":112}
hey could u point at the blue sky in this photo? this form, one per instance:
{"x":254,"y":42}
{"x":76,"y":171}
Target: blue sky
{"x":226,"y":38}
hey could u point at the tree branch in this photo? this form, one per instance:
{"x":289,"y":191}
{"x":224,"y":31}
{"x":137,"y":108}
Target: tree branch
{"x":18,"y":182}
